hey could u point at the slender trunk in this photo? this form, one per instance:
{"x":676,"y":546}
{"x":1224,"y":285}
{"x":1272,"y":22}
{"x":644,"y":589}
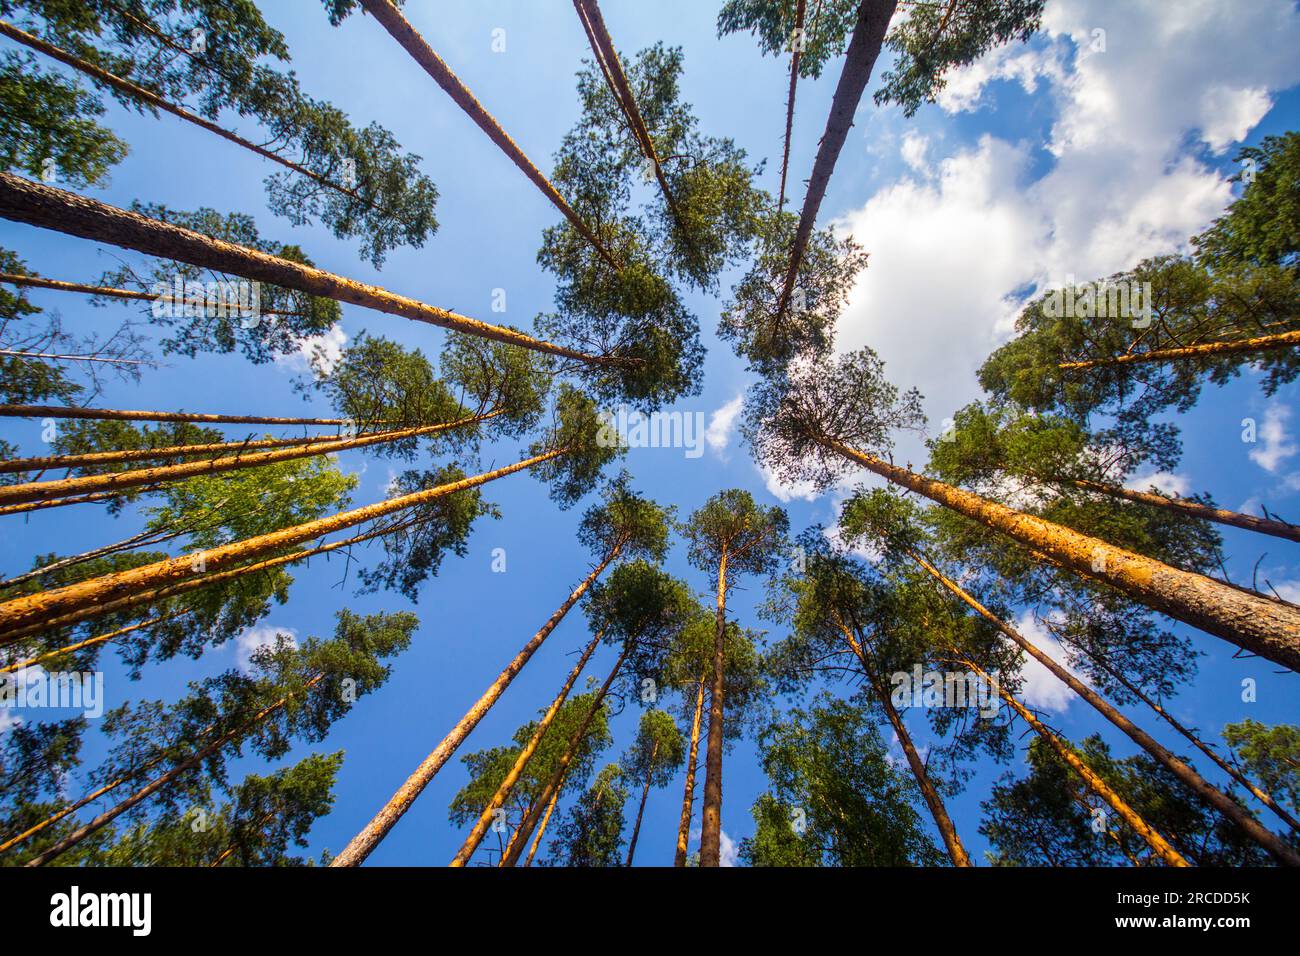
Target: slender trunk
{"x":864,"y":48}
{"x":131,"y":415}
{"x":161,"y":781}
{"x":88,"y":642}
{"x":541,"y":827}
{"x":73,"y":358}
{"x":789,"y":99}
{"x":645,"y":793}
{"x":1268,"y":628}
{"x":1261,"y":343}
{"x":1235,"y":773}
{"x":1186,"y":775}
{"x":29,"y":506}
{"x":370,"y":836}
{"x":42,"y":607}
{"x":521,"y":762}
{"x":1192,"y":509}
{"x":553,"y":785}
{"x":126,"y":544}
{"x":95,"y":458}
{"x":229,"y":850}
{"x":58,"y":285}
{"x":956,"y":852}
{"x":711,"y":808}
{"x":22,"y":200}
{"x":602,"y":45}
{"x":139,"y":598}
{"x":1159,"y":845}
{"x":688,"y":795}
{"x":391,"y":19}
{"x":162,"y":474}
{"x":142,"y":95}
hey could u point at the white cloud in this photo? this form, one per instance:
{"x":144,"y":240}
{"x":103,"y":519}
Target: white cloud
{"x":1041,"y":688}
{"x":785,"y":493}
{"x":247,"y":643}
{"x":1288,"y":591}
{"x":728,"y":853}
{"x":1276,"y":444}
{"x":721,"y":424}
{"x":953,"y":248}
{"x":1167,"y":481}
{"x":13,"y":684}
{"x":319,"y":354}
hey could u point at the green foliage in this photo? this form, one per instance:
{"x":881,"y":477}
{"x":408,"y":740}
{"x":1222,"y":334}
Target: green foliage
{"x":935,"y":37}
{"x":625,"y":517}
{"x":643,"y":610}
{"x":768,"y":339}
{"x":49,"y":125}
{"x":381,"y":195}
{"x":731,"y":524}
{"x":1050,"y":818}
{"x":591,"y":833}
{"x":193,"y":330}
{"x":34,"y":760}
{"x":744,"y":673}
{"x":579,"y":428}
{"x":826,"y":30}
{"x":658,"y":751}
{"x":789,"y":418}
{"x":425,"y":533}
{"x":1262,"y":227}
{"x":263,"y":817}
{"x":493,"y":376}
{"x":1268,"y":755}
{"x":836,"y":800}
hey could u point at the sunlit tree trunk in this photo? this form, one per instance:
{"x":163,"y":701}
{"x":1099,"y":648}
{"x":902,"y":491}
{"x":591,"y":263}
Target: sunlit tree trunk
{"x":370,"y":836}
{"x":688,"y":794}
{"x":1270,"y":629}
{"x":1260,"y":343}
{"x":521,"y":762}
{"x":645,"y":793}
{"x":711,"y":807}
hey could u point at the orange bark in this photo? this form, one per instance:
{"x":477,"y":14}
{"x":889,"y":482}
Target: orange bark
{"x":1261,"y":343}
{"x":711,"y":808}
{"x":688,"y":796}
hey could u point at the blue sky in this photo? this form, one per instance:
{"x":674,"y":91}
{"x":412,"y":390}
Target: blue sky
{"x":1043,"y":160}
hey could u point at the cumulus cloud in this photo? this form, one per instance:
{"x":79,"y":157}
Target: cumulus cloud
{"x":1042,"y":688}
{"x":1275,"y":443}
{"x":722,"y":423}
{"x":318,"y":354}
{"x":251,"y":640}
{"x":728,"y":852}
{"x":1167,"y":481}
{"x":960,"y":240}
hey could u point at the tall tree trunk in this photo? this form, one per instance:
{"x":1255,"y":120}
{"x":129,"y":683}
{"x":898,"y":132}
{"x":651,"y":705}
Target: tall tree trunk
{"x":789,"y":99}
{"x":56,"y":356}
{"x":711,"y":808}
{"x":391,"y":19}
{"x":142,"y":95}
{"x":1186,"y":775}
{"x":88,"y":642}
{"x":602,"y":45}
{"x":95,"y":458}
{"x":22,"y":200}
{"x":1159,"y":845}
{"x":521,"y":762}
{"x":131,"y":415}
{"x":1192,"y":509}
{"x":162,"y":474}
{"x":1234,"y":772}
{"x":370,"y":836}
{"x":47,"y":605}
{"x":1268,"y":628}
{"x":645,"y":793}
{"x":140,"y":540}
{"x":1260,"y":343}
{"x":864,"y":48}
{"x":541,"y":827}
{"x":58,"y":285}
{"x":552,"y":788}
{"x":162,"y":781}
{"x":951,"y":841}
{"x":688,"y":794}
